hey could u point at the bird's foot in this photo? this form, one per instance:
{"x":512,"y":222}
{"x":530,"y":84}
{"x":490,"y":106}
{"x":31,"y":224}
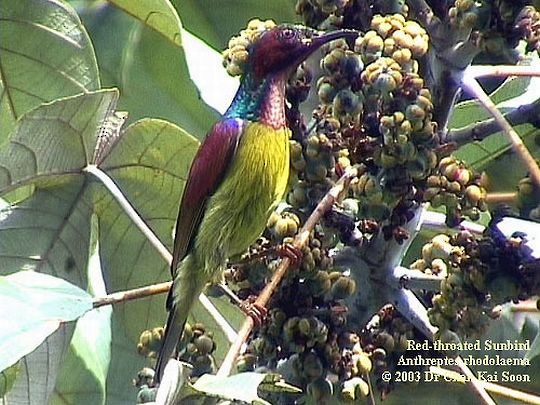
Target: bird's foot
{"x":255,"y":311}
{"x":290,"y":251}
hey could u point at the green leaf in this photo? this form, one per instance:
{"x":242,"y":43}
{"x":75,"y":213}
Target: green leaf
{"x":150,"y":159}
{"x":150,"y":71}
{"x":32,"y":306}
{"x":39,"y":369}
{"x":159,"y":15}
{"x":535,"y":348}
{"x":227,"y":388}
{"x":7,"y":378}
{"x":470,"y":111}
{"x":49,"y":148}
{"x":45,"y":53}
{"x":55,"y":139}
{"x":82,"y":378}
{"x":215,"y":25}
{"x":150,"y":164}
{"x":49,"y":231}
{"x":481,"y":153}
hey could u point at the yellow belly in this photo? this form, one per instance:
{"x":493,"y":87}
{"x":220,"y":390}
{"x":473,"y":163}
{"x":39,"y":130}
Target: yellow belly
{"x":254,"y":184}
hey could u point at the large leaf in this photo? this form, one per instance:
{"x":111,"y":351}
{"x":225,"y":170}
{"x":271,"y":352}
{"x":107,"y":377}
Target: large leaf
{"x":150,"y":71}
{"x":215,"y":25}
{"x":227,"y":387}
{"x":38,"y":371}
{"x":83,"y":375}
{"x":49,"y":148}
{"x":159,"y":15}
{"x":50,"y":231}
{"x":150,"y":164}
{"x":32,"y":306}
{"x":45,"y":53}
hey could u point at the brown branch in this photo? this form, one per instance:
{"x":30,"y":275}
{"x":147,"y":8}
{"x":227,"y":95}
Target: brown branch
{"x":299,"y":242}
{"x":501,"y":198}
{"x":134,"y":294}
{"x":477,"y":131}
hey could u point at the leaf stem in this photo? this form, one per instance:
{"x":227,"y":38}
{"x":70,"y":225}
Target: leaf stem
{"x":477,"y":71}
{"x":474,"y":383}
{"x":299,"y":242}
{"x":129,"y":210}
{"x":507,"y":392}
{"x":162,"y":250}
{"x":475,"y":89}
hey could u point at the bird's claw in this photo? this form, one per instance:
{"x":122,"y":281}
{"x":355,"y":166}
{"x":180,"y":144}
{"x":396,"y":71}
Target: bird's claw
{"x":255,"y":311}
{"x":292,"y":252}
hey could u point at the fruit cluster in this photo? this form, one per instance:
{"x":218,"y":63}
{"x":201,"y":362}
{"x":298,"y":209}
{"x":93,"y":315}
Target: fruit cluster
{"x":199,"y":346}
{"x":528,"y":25}
{"x":479,"y":273}
{"x":326,"y":14}
{"x":150,"y":342}
{"x":496,"y":25}
{"x":458,"y":189}
{"x":385,"y":339}
{"x":376,"y":113}
{"x":236,"y":54}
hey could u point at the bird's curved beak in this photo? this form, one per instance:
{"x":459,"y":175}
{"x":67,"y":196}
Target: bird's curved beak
{"x":320,"y":38}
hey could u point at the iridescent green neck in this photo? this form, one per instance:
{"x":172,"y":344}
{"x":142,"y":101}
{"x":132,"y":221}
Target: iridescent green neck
{"x":262,"y":101}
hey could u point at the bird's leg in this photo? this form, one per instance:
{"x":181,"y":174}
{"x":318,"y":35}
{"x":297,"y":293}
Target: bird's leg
{"x":286,"y":249}
{"x":249,"y":307}
{"x":255,"y":311}
{"x":290,"y":251}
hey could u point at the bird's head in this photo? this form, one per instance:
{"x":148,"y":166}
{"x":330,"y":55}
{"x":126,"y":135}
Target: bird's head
{"x":284,"y":47}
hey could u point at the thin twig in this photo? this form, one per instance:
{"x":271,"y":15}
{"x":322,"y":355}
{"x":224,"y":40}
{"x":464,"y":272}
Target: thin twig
{"x":160,"y":288}
{"x":475,"y":89}
{"x":134,"y":294}
{"x":474,"y":383}
{"x":299,"y":242}
{"x":526,"y":306}
{"x":500,"y":198}
{"x":452,"y":376}
{"x":478,"y":71}
{"x":482,"y":129}
{"x":142,"y":292}
{"x":370,"y":385}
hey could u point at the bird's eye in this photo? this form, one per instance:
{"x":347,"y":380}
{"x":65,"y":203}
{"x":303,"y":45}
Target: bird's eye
{"x":287,"y":33}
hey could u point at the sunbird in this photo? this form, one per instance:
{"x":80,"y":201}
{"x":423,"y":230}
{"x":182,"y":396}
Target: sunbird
{"x":239,"y":174}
